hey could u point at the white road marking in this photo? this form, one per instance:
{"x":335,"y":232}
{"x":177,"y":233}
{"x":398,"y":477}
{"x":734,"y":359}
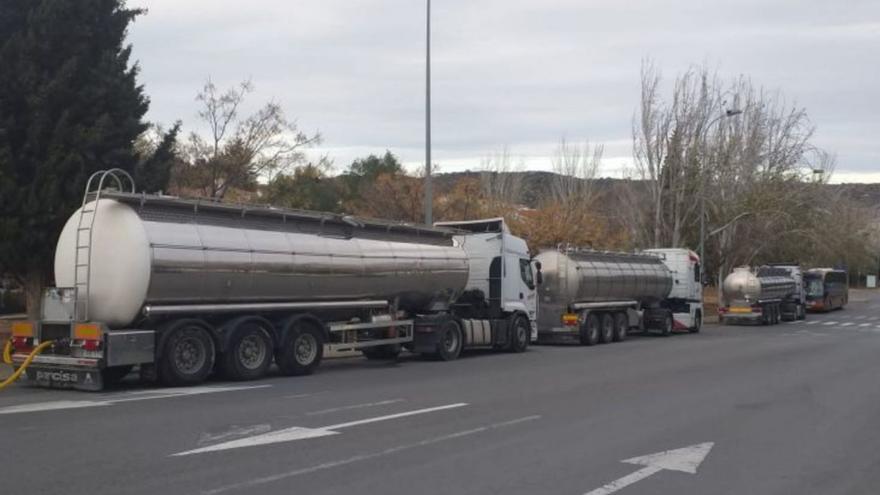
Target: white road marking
{"x":864,"y":324}
{"x":686,"y":460}
{"x":813,"y":322}
{"x":300,"y":433}
{"x":234,"y":431}
{"x":830,"y":323}
{"x":109,"y":400}
{"x":847,"y":324}
{"x":355,"y":406}
{"x":363,"y":457}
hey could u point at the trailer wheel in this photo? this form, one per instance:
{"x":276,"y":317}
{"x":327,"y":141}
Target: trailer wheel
{"x":249,"y":353}
{"x":449,"y":346}
{"x":590,"y":330}
{"x":698,"y":322}
{"x":187,"y":354}
{"x":301,"y":349}
{"x":666,"y":329}
{"x":520,"y":331}
{"x":621,"y":327}
{"x":607,"y":333}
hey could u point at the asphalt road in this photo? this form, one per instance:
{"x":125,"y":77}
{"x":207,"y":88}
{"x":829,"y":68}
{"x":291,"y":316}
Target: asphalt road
{"x":790,"y":409}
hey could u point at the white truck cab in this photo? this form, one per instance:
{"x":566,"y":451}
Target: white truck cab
{"x":500,"y":268}
{"x":686,"y":298}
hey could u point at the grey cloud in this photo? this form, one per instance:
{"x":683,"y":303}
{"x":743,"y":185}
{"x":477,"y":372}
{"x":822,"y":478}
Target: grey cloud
{"x":518,"y":73}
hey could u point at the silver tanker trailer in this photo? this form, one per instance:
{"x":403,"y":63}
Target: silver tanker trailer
{"x":182,"y":288}
{"x":591,"y":296}
{"x":764,"y":296}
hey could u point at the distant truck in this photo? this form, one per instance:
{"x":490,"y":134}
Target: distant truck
{"x":764,"y":296}
{"x":186,"y":288}
{"x":591,"y":297}
{"x":795,"y":307}
{"x":826,"y":289}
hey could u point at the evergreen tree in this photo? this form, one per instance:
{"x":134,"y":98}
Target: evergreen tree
{"x":69,"y":105}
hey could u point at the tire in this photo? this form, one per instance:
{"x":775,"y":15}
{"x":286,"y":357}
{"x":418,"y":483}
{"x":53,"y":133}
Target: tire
{"x":188,"y":354}
{"x":301,"y":349}
{"x":775,"y":315}
{"x":449,"y":346}
{"x":802,"y":312}
{"x":382,"y":352}
{"x":520,"y":334}
{"x":589,"y":334}
{"x":112,"y":376}
{"x":621,"y":327}
{"x":666,"y":329}
{"x":698,"y":322}
{"x":249,"y":353}
{"x":607,"y":333}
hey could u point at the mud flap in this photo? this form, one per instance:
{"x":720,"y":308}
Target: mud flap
{"x":69,"y":378}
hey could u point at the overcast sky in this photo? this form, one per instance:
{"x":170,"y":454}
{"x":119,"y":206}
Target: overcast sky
{"x":515,"y":73}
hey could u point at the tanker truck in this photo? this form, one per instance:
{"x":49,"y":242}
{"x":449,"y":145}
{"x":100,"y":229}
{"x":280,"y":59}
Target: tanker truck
{"x":591,"y":297}
{"x":184,"y":288}
{"x":763,"y":296}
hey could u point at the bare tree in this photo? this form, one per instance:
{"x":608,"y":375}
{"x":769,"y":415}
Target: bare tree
{"x":240,"y":151}
{"x":502,"y":182}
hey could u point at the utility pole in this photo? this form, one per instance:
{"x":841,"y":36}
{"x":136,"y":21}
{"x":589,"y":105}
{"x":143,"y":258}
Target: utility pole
{"x":429,"y":194}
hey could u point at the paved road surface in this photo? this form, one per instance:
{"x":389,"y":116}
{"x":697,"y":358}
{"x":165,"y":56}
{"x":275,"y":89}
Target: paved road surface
{"x":793,"y":408}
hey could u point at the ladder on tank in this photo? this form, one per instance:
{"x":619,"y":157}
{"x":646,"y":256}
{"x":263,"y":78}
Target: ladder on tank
{"x":114,"y":179}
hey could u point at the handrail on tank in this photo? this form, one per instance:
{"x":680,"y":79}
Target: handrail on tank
{"x":113,"y":173}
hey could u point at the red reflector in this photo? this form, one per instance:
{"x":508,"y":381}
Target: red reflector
{"x":91,"y":345}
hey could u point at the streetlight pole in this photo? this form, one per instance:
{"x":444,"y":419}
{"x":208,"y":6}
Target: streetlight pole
{"x":727,"y":113}
{"x":429,"y":194}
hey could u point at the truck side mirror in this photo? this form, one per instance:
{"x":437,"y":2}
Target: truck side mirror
{"x":705,"y":280}
{"x":539,"y":277}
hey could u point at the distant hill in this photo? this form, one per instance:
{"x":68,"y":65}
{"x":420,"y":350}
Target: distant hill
{"x":537,"y":184}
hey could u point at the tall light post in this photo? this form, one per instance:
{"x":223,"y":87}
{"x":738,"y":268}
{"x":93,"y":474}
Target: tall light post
{"x":727,"y":113}
{"x":429,"y":194}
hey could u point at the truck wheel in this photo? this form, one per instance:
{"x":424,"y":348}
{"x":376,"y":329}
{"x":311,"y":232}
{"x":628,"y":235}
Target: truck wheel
{"x":698,"y":322}
{"x":301,"y":349}
{"x":666,"y":329}
{"x":774,"y":315}
{"x":590,"y":330}
{"x":621,"y":327}
{"x":449,"y":346}
{"x":801,"y":312}
{"x":249,"y":353}
{"x":607,"y":333}
{"x":520,"y":334}
{"x":383,"y":352}
{"x":187,"y":354}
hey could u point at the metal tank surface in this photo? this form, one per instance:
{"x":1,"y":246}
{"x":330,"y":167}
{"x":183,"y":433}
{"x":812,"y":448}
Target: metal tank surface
{"x":574,"y":276}
{"x":158,"y":250}
{"x":771,"y":283}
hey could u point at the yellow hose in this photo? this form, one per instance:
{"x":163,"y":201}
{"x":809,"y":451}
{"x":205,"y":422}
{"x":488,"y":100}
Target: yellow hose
{"x":25,"y":364}
{"x":7,"y":352}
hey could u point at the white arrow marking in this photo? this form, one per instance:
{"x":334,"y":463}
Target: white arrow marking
{"x":686,"y":460}
{"x":300,"y":433}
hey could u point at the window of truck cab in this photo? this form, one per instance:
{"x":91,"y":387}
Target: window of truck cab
{"x":525,"y":272}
